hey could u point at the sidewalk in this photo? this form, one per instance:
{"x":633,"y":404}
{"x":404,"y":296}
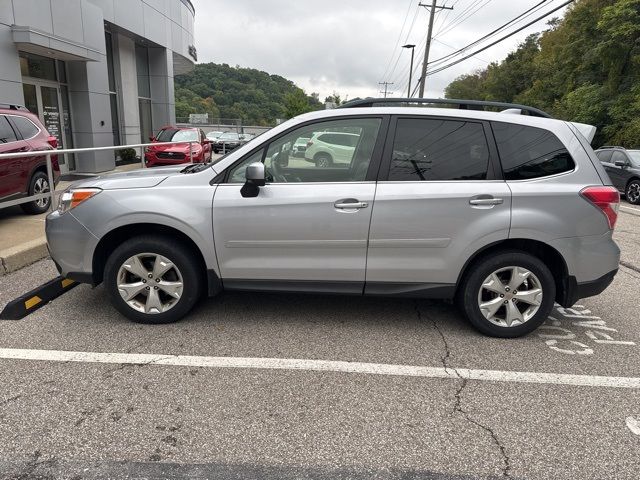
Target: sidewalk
{"x":22,"y":240}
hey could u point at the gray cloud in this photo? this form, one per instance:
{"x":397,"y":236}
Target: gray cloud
{"x":345,"y":45}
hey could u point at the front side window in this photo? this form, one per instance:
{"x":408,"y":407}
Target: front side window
{"x":604,"y":155}
{"x":529,"y":152}
{"x":634,"y":156}
{"x":7,"y":134}
{"x":322,"y":159}
{"x":427,"y":149}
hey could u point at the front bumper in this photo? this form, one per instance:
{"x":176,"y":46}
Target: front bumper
{"x":70,"y":245}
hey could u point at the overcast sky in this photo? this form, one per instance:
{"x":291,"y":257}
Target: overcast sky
{"x":348,"y":46}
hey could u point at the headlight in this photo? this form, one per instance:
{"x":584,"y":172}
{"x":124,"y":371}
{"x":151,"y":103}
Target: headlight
{"x":70,"y":199}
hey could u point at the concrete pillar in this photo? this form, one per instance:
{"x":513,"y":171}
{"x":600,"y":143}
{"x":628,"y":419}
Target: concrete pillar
{"x":125,"y":51}
{"x":163,"y":107}
{"x":91,"y":114}
{"x":10,"y":79}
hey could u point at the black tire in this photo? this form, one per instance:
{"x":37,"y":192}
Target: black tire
{"x":323,"y":160}
{"x":632,"y":192}
{"x":39,"y":184}
{"x":186,"y":263}
{"x":479,"y":271}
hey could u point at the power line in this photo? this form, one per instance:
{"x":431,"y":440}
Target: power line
{"x":471,"y":10}
{"x":492,"y":33}
{"x":398,"y":40}
{"x":433,"y":72}
{"x":413,"y":22}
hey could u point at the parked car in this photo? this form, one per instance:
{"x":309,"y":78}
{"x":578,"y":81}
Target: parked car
{"x":327,"y":149}
{"x":227,"y":142}
{"x":178,"y":153}
{"x":213,"y":136}
{"x":623,"y":167}
{"x":300,"y":146}
{"x":507,"y":214}
{"x":247,"y":137}
{"x":21,"y":131}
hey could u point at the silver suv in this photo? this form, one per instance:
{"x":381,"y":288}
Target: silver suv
{"x":505,"y":213}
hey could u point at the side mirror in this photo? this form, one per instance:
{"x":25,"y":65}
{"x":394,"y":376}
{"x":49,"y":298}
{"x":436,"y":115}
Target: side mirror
{"x":255,"y":178}
{"x":206,"y":141}
{"x":152,"y":138}
{"x":620,"y":163}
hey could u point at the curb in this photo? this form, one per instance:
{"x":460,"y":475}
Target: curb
{"x":15,"y":258}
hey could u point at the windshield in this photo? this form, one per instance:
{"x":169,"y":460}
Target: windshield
{"x":634,"y":155}
{"x":229,"y":136}
{"x":175,"y":135}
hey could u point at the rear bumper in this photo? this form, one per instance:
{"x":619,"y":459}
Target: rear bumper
{"x":574,"y":291}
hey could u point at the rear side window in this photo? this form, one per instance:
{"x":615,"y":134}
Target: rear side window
{"x":604,"y":155}
{"x":529,"y":152}
{"x":26,"y":127}
{"x":438,"y":150}
{"x":6,"y":132}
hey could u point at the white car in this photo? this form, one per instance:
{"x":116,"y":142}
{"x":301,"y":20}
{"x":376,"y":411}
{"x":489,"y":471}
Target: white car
{"x":213,"y":136}
{"x":328,"y":149}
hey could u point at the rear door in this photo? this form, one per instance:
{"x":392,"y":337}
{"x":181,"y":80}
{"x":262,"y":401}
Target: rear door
{"x":12,"y":170}
{"x":440,"y":198}
{"x":307,"y":228}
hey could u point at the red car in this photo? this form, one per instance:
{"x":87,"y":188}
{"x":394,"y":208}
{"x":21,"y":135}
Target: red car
{"x":21,"y":131}
{"x":177,"y":154}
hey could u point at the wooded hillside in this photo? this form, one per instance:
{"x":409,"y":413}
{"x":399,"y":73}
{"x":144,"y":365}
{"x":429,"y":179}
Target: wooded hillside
{"x":233,"y":92}
{"x":585,"y":67}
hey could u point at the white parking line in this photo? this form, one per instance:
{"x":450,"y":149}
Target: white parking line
{"x":631,"y":210}
{"x":321,"y":366}
{"x":633,"y":424}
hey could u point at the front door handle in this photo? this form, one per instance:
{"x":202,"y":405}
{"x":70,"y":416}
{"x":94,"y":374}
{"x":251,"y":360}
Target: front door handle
{"x":486,"y":201}
{"x":350,"y":203}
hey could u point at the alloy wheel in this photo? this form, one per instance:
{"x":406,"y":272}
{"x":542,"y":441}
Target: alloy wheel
{"x":510,"y":296}
{"x":150,"y":283}
{"x":633,"y":192}
{"x":41,"y":186}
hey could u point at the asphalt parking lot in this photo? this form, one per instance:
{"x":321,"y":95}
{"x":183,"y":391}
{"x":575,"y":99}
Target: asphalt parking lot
{"x":320,"y":387}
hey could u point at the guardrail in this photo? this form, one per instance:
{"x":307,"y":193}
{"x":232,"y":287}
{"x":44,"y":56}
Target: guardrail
{"x":48,"y":153}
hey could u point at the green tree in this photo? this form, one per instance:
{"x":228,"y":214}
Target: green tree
{"x":296,"y":103}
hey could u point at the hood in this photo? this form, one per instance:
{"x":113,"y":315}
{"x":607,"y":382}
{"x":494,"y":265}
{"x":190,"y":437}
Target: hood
{"x":142,"y":178}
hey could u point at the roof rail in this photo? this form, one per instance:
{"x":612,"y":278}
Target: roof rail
{"x":609,"y":146}
{"x":13,"y":106}
{"x":462,"y":104}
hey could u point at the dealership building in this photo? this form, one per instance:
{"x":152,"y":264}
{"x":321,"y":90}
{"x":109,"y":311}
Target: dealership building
{"x":96,"y":72}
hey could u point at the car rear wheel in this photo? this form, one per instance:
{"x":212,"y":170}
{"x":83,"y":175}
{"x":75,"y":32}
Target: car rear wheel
{"x":323,"y":160}
{"x":153,"y":280}
{"x":39,"y":184}
{"x":508,"y":294}
{"x":633,"y":192}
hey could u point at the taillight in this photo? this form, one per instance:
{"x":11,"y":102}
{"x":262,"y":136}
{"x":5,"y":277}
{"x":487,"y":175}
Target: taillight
{"x":53,"y":141}
{"x":607,"y":199}
{"x":309,"y":143}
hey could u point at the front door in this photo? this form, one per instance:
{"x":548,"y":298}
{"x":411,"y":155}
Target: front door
{"x":45,"y":101}
{"x":438,"y":201}
{"x":307,"y":228}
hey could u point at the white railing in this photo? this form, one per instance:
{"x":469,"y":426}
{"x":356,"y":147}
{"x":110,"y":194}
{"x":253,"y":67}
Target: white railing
{"x":48,"y":153}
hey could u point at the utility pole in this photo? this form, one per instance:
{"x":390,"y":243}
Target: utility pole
{"x":432,"y":12}
{"x":386,"y":84}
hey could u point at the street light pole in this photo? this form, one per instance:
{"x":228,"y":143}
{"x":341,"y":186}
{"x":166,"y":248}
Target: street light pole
{"x":412,"y":47}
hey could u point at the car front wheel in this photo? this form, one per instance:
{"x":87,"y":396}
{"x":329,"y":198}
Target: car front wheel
{"x":153,"y":280}
{"x":508,"y":294}
{"x":323,"y":160}
{"x":633,"y":192}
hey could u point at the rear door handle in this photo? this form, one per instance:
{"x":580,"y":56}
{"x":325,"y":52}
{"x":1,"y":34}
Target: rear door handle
{"x":486,"y":201}
{"x":350,"y":203}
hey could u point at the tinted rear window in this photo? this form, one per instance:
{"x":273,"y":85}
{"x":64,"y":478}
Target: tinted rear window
{"x":6,"y":132}
{"x":26,"y":127}
{"x":429,"y":149}
{"x":529,"y":152}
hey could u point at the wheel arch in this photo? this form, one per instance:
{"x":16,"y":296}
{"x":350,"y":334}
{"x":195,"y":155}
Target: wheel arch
{"x":114,"y":238}
{"x":549,"y":255}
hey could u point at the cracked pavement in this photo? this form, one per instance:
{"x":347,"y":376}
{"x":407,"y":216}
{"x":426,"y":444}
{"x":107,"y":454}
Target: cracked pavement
{"x":94,"y":420}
